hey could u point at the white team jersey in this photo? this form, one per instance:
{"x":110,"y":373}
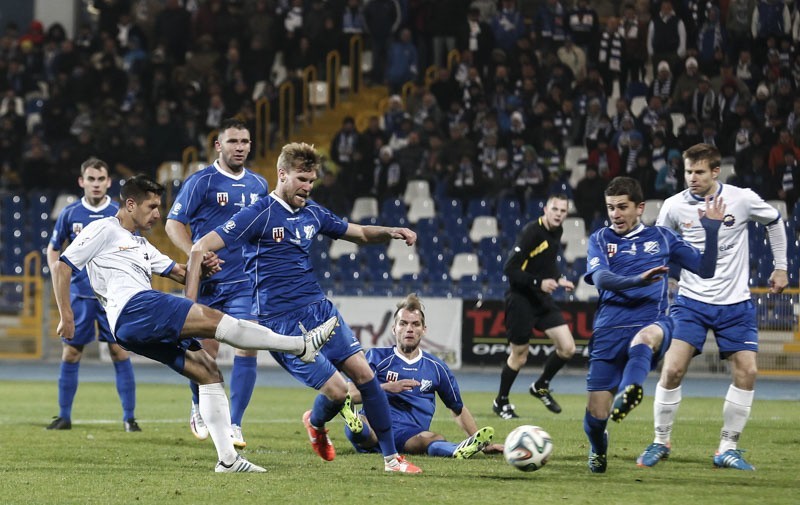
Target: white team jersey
{"x":119,"y":263}
{"x":730,"y":282}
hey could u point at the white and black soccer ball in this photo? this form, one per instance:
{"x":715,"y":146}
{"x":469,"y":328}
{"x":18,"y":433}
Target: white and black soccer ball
{"x":528,"y":448}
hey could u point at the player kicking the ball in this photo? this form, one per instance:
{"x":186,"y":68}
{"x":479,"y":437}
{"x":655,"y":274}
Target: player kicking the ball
{"x":120,"y":263}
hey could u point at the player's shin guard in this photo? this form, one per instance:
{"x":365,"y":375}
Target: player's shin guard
{"x":67,"y":387}
{"x":251,"y":336}
{"x":126,"y":387}
{"x":735,"y":413}
{"x":324,"y":410}
{"x":376,"y":406}
{"x":665,"y":408}
{"x":640,"y":358}
{"x":215,"y":410}
{"x":595,"y":430}
{"x":242,"y":383}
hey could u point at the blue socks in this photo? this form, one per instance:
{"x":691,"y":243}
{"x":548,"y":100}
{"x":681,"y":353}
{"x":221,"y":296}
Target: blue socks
{"x":357,"y":438}
{"x":323,"y":411}
{"x":596,"y":431}
{"x":195,"y":392}
{"x":126,"y":387}
{"x":376,"y":407}
{"x":67,"y":387}
{"x":243,"y":381}
{"x":442,"y":448}
{"x":640,"y":358}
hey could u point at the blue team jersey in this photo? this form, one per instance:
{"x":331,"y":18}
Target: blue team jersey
{"x":415,"y":407}
{"x":276,"y":240}
{"x":645,"y":247}
{"x":209,"y":198}
{"x":69,"y":224}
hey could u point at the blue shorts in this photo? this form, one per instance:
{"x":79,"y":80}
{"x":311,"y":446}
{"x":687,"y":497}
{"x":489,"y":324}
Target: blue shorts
{"x":734,"y":326}
{"x":150,"y":324}
{"x":341,"y":346}
{"x":86,"y":312}
{"x":608,"y":353}
{"x":234,"y":299}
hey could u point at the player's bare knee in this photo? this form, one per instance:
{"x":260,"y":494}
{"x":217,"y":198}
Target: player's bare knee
{"x":672,"y":375}
{"x":117,"y":353}
{"x":567,"y":351}
{"x":71,"y":353}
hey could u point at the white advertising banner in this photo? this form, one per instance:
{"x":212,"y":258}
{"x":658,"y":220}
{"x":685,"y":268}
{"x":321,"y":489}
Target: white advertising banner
{"x":371,"y":320}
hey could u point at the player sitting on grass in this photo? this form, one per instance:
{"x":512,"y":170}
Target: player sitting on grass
{"x":411,"y":379}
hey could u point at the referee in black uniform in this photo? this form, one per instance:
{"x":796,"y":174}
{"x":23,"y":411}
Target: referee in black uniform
{"x":533,"y":274}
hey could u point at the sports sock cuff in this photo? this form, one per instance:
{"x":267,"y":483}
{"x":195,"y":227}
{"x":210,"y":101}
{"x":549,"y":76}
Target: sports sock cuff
{"x":668,"y":396}
{"x":224,"y":327}
{"x":740,"y":396}
{"x":211,"y":389}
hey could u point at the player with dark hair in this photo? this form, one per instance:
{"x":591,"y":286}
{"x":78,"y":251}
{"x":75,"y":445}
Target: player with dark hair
{"x":119,"y":263}
{"x":207,"y":199}
{"x":412,"y":378}
{"x":533,"y":275}
{"x":276,"y":234}
{"x":723,"y":305}
{"x":95,"y":204}
{"x":627,"y":261}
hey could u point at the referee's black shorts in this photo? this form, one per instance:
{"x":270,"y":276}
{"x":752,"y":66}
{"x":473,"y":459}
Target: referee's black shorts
{"x":523,"y":315}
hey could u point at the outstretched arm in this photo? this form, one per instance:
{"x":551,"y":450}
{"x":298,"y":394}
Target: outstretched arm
{"x":378,"y":234}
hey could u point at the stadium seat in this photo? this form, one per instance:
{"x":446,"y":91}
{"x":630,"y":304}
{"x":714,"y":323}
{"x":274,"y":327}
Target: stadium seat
{"x":637,"y":105}
{"x":651,"y":209}
{"x":405,"y":264}
{"x":393,"y":212}
{"x":416,"y":188}
{"x":678,"y":120}
{"x":364,"y":207}
{"x":341,"y":248}
{"x":450,"y":208}
{"x":169,"y":171}
{"x":584,"y":292}
{"x":318,"y":93}
{"x":483,"y":227}
{"x":61,"y":202}
{"x":575,"y":248}
{"x":781,"y":206}
{"x":464,"y":264}
{"x":478,"y":207}
{"x":575,"y":155}
{"x":195,"y":166}
{"x":421,"y":207}
{"x":574,"y":229}
{"x":398,"y":248}
{"x":726,"y":171}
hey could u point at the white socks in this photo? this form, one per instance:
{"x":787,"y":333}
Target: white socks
{"x":251,"y":336}
{"x":216,"y":413}
{"x":665,"y":408}
{"x":735,"y":413}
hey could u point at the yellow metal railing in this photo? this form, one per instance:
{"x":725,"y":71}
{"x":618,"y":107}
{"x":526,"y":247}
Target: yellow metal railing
{"x":309,"y":77}
{"x":262,"y":128}
{"x":286,"y":110}
{"x":211,"y":149}
{"x":27,"y":333}
{"x":333,"y":65}
{"x":453,"y":59}
{"x":356,"y":72}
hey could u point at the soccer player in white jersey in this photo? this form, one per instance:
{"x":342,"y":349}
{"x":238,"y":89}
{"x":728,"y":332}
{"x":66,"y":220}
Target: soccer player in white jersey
{"x":721,"y":304}
{"x":95,"y":204}
{"x":206,"y":200}
{"x":120,"y":264}
{"x":412,"y":379}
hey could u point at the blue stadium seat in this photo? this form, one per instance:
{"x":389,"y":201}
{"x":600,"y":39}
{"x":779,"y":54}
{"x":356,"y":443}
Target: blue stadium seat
{"x":450,"y":209}
{"x":479,"y":207}
{"x":393,"y":212}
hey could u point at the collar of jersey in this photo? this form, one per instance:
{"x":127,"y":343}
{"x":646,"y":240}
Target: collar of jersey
{"x":283,"y":204}
{"x":408,"y":361}
{"x":634,"y":231}
{"x":227,"y":174}
{"x":100,"y":207}
{"x":700,"y":199}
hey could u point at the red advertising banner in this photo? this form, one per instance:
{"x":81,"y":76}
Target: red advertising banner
{"x":484,"y":333}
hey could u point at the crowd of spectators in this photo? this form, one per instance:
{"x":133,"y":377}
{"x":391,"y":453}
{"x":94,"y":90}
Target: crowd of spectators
{"x":147,"y":78}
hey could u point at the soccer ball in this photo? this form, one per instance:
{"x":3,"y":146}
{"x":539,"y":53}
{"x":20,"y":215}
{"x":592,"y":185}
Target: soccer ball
{"x":528,"y":448}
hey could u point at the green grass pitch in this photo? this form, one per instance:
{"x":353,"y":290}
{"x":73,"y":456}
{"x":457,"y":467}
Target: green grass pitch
{"x":97,"y":463}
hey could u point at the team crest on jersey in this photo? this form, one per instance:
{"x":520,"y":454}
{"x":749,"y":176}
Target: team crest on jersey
{"x":277,"y":234}
{"x":728,"y":220}
{"x":253,"y":198}
{"x":594,"y":262}
{"x":222,"y":198}
{"x":309,"y":231}
{"x":612,"y":250}
{"x":77,"y":227}
{"x":651,"y":247}
{"x":392,"y":376}
{"x":686,"y":225}
{"x":229,"y":225}
{"x":425,"y":385}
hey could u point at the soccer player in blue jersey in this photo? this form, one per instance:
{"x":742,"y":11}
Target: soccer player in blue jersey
{"x":120,"y":263}
{"x":276,"y":234}
{"x":207,"y":199}
{"x":94,"y":204}
{"x":412,"y":378}
{"x":627,"y":261}
{"x":723,"y":305}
